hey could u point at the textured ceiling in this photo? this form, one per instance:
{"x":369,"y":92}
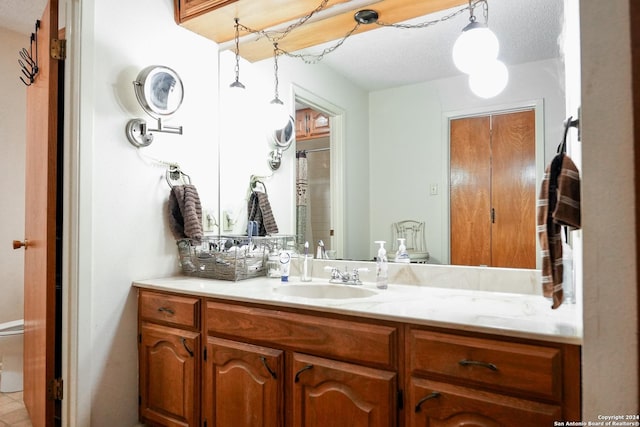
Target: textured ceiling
{"x":21,"y":15}
{"x":528,"y":30}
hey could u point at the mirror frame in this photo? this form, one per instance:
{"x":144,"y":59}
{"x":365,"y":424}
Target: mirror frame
{"x":150,"y":81}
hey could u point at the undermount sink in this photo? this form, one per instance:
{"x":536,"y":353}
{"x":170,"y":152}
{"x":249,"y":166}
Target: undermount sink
{"x":324,"y":291}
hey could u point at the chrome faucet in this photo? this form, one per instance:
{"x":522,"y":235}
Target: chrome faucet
{"x":345,"y":278}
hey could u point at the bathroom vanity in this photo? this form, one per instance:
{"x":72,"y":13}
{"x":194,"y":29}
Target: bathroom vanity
{"x":262,"y":353}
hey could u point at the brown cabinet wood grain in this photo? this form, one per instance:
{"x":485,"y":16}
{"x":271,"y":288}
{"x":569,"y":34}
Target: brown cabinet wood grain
{"x":243,"y":385}
{"x":311,"y":124}
{"x":440,"y":404}
{"x":169,"y":376}
{"x":247,"y":365}
{"x":461,"y":380}
{"x":337,"y":394}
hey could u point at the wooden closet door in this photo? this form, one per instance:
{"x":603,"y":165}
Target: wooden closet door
{"x":513,"y":232}
{"x":470,"y":191}
{"x":492,"y":190}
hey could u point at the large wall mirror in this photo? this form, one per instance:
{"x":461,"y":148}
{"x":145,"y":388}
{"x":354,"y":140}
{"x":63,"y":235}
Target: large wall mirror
{"x":392,"y":96}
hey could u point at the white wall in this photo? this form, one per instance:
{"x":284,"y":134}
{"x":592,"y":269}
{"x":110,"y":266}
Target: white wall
{"x":12,"y":145}
{"x":123,"y":232}
{"x":610,"y":350}
{"x":409,"y":140}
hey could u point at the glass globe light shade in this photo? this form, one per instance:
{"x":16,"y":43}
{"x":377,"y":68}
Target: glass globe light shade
{"x":277,"y":115}
{"x":489,"y":80}
{"x":476,"y":44}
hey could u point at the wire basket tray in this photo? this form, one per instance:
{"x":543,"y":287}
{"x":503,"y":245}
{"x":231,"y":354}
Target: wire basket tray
{"x":223,"y":257}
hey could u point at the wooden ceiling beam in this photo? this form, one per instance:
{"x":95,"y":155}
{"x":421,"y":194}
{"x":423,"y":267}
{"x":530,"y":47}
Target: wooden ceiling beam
{"x":217,"y":24}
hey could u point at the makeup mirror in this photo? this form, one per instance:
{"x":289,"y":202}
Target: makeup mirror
{"x":159,"y":92}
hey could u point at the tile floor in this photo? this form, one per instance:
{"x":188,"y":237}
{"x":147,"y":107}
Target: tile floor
{"x":12,"y":411}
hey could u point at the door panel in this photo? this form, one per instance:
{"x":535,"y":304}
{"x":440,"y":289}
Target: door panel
{"x":40,"y":226}
{"x":470,"y":187}
{"x":513,"y":190}
{"x":492,"y":192}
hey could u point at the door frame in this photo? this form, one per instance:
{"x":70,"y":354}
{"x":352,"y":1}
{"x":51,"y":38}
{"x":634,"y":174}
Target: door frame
{"x":337,"y":154}
{"x":538,"y":106}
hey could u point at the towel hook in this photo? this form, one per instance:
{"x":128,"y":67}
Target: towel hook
{"x":175,"y":174}
{"x":568,"y":124}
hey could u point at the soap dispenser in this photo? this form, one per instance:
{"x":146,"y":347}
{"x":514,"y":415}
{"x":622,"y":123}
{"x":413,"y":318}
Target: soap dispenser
{"x":382,"y":279}
{"x":402,"y":255}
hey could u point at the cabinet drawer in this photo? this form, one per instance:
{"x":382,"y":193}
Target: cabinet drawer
{"x":436,"y":403}
{"x":346,"y":340}
{"x":169,"y":309}
{"x":535,"y":370}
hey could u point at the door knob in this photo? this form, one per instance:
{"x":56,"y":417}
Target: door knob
{"x":17,"y":244}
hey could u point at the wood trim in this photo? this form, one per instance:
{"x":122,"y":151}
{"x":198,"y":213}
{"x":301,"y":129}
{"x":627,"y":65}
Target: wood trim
{"x":634,"y":21}
{"x":217,"y":22}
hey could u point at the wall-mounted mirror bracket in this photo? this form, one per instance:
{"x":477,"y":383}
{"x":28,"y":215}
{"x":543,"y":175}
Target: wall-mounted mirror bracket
{"x":139,"y":135}
{"x":159,"y":91}
{"x":281,"y":140}
{"x":275,"y":159}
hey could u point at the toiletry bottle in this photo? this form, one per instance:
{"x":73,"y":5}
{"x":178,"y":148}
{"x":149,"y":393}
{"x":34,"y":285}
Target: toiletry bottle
{"x":382,"y":279}
{"x":305,"y":264}
{"x":285,"y":265}
{"x":287,"y":256}
{"x":402,"y":255}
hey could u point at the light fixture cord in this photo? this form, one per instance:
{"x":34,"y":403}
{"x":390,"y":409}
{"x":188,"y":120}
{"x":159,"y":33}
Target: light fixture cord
{"x":275,"y":69}
{"x":237,"y":40}
{"x":311,"y":58}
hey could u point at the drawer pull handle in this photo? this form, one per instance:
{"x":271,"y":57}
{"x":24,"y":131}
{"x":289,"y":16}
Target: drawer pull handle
{"x":306,"y":368}
{"x":433,"y":395}
{"x":184,"y":343}
{"x":477,"y":363}
{"x":264,"y":362}
{"x":166,"y":310}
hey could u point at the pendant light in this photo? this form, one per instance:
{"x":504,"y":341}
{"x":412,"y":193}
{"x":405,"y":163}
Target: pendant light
{"x":277,"y":114}
{"x":237,"y":83}
{"x":489,"y":79}
{"x":476,"y":45}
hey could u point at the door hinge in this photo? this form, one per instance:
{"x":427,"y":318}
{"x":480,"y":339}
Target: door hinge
{"x":400,"y":399}
{"x":204,"y":354}
{"x":55,"y":389}
{"x":493,"y":216}
{"x":59,"y":49}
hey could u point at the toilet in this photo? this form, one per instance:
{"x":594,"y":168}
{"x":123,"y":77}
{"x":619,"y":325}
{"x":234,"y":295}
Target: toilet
{"x":11,"y":350}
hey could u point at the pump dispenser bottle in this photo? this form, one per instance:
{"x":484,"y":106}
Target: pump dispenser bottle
{"x":402,"y":255}
{"x":382,"y":279}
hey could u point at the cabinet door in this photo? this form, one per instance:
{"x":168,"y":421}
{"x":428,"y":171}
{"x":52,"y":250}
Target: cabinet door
{"x":169,"y":376}
{"x":243,"y":385}
{"x":337,"y":394}
{"x":302,"y":128}
{"x":432,"y":404}
{"x":318,"y":124}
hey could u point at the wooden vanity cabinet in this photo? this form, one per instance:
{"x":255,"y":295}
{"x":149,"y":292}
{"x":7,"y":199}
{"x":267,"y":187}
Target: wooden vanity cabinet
{"x":207,"y":362}
{"x":169,"y":359}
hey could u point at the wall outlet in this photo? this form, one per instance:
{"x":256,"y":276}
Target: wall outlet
{"x":227,"y":221}
{"x":433,"y":190}
{"x":209,"y":221}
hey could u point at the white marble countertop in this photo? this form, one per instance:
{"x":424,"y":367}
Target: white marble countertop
{"x":506,"y":314}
